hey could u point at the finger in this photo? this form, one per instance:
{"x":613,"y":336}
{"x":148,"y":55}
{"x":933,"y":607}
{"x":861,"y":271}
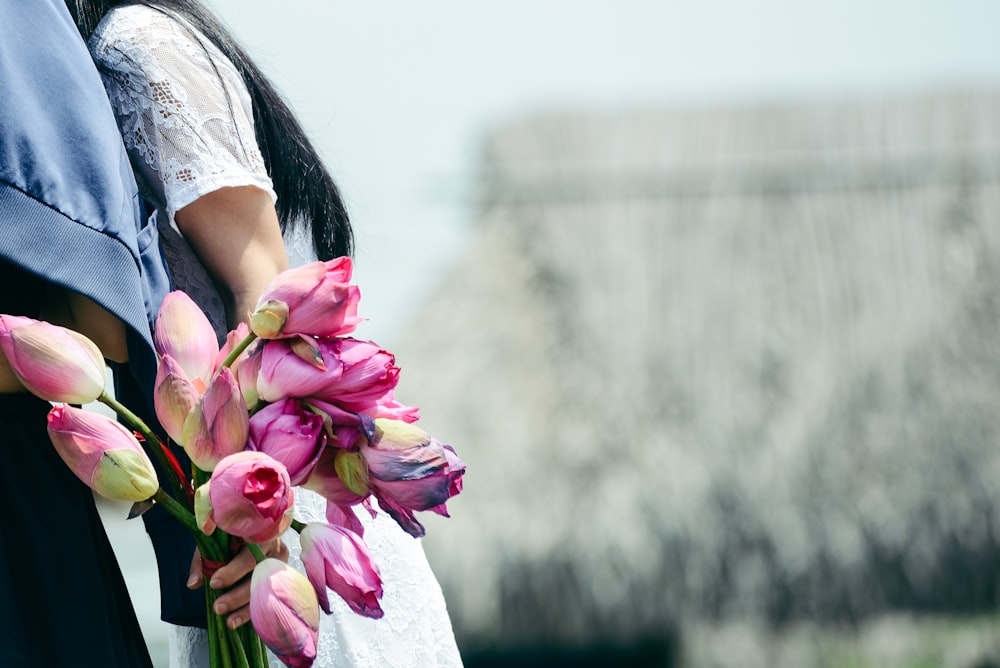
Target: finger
{"x":195,"y":574}
{"x":238,"y":618}
{"x":277,"y":549}
{"x":235,"y":603}
{"x":234,"y":570}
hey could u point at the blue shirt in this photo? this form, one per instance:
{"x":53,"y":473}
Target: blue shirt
{"x":69,"y":208}
{"x":70,"y":213}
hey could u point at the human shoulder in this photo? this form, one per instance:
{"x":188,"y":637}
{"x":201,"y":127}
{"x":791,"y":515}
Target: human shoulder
{"x":138,"y":26}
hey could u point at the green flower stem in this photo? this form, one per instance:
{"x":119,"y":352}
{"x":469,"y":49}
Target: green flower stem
{"x":155,"y":444}
{"x":180,"y":513}
{"x":257,"y":553}
{"x":240,"y":347}
{"x":239,"y":651}
{"x":297,"y":525}
{"x":258,"y":653}
{"x":218,"y":637}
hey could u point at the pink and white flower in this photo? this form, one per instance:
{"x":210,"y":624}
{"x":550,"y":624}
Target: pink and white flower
{"x":52,"y":362}
{"x":288,"y":432}
{"x":102,"y":453}
{"x":284,"y":610}
{"x":315,"y":299}
{"x":249,"y":495}
{"x":336,"y":558}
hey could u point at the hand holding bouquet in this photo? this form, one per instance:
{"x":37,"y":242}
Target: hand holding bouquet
{"x":290,"y":401}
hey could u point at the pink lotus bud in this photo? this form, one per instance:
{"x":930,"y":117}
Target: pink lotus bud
{"x":247,"y":370}
{"x":173,"y":397}
{"x":184,"y":332}
{"x":368,"y":375}
{"x":356,"y":376}
{"x":218,"y":424}
{"x":249,"y":495}
{"x":289,"y":433}
{"x":52,"y":362}
{"x":285,"y":612}
{"x":102,"y":453}
{"x":233,"y":338}
{"x":337,"y":558}
{"x":318,"y":298}
{"x":409,"y":470}
{"x":288,"y":371}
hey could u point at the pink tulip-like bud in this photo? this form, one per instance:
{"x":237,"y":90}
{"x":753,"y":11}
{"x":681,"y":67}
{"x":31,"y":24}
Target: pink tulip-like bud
{"x":288,"y":371}
{"x":52,"y":362}
{"x":356,"y":376}
{"x":218,"y":424}
{"x":102,"y":453}
{"x":284,"y":612}
{"x":233,"y":338}
{"x":289,"y":433}
{"x":247,"y":370}
{"x":336,"y":558}
{"x":318,"y":298}
{"x":174,"y":395}
{"x":184,"y":332}
{"x":368,"y":376}
{"x":249,"y":495}
{"x":409,"y":470}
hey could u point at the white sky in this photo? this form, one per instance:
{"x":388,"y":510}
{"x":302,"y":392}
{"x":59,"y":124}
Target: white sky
{"x":396,"y":93}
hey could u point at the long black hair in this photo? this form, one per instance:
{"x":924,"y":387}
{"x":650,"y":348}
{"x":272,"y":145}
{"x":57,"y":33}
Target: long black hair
{"x":307,"y":194}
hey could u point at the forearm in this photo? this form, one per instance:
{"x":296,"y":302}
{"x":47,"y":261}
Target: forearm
{"x":236,"y":235}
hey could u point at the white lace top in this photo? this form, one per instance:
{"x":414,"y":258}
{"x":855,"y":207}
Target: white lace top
{"x":185,"y":115}
{"x":187,"y":122}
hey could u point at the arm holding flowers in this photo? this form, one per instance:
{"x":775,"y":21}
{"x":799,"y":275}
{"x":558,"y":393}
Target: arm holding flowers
{"x":235,"y":233}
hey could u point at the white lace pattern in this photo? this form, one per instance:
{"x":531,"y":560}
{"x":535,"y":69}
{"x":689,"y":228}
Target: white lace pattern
{"x":186,"y":118}
{"x":187,"y":122}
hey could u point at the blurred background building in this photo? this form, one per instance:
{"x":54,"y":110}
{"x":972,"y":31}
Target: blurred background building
{"x":703,"y":293}
{"x":721,"y":372}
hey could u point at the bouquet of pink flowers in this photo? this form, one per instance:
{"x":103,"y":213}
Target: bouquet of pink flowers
{"x":290,"y":401}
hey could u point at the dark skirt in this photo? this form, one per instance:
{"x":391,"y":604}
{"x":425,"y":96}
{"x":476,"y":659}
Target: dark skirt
{"x":63,"y":600}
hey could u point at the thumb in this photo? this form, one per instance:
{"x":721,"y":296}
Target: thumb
{"x":195,"y":578}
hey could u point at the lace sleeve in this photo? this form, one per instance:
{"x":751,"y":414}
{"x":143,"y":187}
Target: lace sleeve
{"x":185,"y":114}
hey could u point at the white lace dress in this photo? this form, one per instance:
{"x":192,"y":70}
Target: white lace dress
{"x":186,"y":116}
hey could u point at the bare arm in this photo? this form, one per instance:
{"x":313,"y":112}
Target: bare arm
{"x":236,"y":235}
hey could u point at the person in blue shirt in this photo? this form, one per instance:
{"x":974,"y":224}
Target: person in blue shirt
{"x":75,"y":249}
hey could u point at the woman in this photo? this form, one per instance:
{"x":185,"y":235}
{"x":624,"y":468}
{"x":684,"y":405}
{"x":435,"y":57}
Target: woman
{"x":229,"y":170}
